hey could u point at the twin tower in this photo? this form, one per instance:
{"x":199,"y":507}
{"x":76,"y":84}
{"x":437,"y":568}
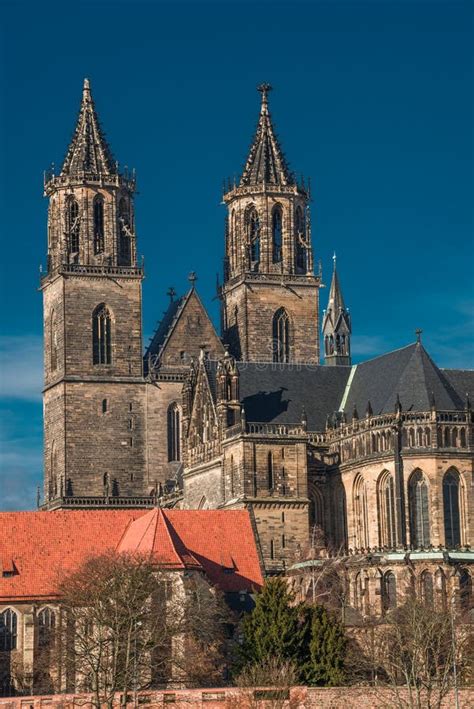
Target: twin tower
{"x":105,"y":417}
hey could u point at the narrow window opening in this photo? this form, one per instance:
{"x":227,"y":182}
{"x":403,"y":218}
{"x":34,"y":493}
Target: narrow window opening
{"x":174,"y":432}
{"x":72,"y":225}
{"x":270,"y":471}
{"x":98,"y":225}
{"x":277,"y":234}
{"x":105,"y":406}
{"x":281,"y":336}
{"x":101,"y":336}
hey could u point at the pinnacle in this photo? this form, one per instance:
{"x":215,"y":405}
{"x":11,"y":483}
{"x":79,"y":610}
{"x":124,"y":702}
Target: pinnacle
{"x":88,"y":152}
{"x":266,"y":162}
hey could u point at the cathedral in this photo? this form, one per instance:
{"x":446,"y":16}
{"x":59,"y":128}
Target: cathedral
{"x":377,"y":456}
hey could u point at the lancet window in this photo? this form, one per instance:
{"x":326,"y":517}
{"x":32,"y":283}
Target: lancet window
{"x":101,"y":335}
{"x":418,"y":502}
{"x":281,"y":336}
{"x":98,"y":224}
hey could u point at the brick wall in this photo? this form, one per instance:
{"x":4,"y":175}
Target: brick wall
{"x":218,"y":698}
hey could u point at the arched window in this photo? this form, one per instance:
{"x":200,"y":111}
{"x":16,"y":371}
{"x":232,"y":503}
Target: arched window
{"x":46,"y":627}
{"x":452,"y":526}
{"x":105,"y":406}
{"x":339,"y":523}
{"x":253,"y":236}
{"x":270,"y":478}
{"x":387,"y":518}
{"x":53,"y":342}
{"x":174,"y":432}
{"x":277,"y":233}
{"x":98,"y":224}
{"x":72,"y":225}
{"x":281,"y":336}
{"x":465,"y":590}
{"x":301,"y":261}
{"x":419,"y":510}
{"x":232,"y":476}
{"x":361,"y":519}
{"x":101,"y":335}
{"x":124,"y":230}
{"x":54,"y":472}
{"x":316,"y":514}
{"x":389,"y":591}
{"x":427,"y":588}
{"x":8,"y":630}
{"x":233,"y":242}
{"x":463,"y":437}
{"x":440,"y":585}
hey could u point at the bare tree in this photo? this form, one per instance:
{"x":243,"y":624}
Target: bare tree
{"x":413,"y":653}
{"x":126,"y":626}
{"x":268,"y":683}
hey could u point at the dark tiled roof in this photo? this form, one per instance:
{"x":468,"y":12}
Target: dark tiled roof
{"x":166,"y":325}
{"x":409,"y":373}
{"x":278,"y":392}
{"x":462,"y":380}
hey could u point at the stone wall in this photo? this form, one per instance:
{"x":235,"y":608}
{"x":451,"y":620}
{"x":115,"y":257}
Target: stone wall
{"x":218,"y":698}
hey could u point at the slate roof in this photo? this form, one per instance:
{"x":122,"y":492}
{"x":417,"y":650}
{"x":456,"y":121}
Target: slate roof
{"x":167,"y":325}
{"x":41,"y":546}
{"x":409,"y":372}
{"x":278,"y":393}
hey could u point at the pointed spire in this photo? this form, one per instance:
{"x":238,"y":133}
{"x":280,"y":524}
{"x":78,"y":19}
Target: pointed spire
{"x":355,"y":413}
{"x":336,"y":301}
{"x":368,"y":411}
{"x":266,"y":162}
{"x":88,"y":151}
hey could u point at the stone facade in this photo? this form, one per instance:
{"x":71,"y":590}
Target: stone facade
{"x":373,"y":456}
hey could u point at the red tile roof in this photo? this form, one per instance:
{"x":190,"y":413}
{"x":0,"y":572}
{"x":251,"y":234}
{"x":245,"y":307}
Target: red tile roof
{"x":45,"y":545}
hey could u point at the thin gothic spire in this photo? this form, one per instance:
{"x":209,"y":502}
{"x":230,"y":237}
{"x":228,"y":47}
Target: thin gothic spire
{"x":88,"y":152}
{"x":266,"y":162}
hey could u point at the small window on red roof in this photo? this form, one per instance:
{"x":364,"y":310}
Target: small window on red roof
{"x":227,"y":563}
{"x":8,"y":568}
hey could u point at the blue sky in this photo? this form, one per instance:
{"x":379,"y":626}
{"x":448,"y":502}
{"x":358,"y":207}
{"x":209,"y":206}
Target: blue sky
{"x":372,"y":100}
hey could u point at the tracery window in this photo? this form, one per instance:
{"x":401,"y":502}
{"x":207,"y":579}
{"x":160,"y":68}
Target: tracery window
{"x":72,"y":225}
{"x":387,"y":517}
{"x":452,"y":526}
{"x":418,"y":503}
{"x":253,"y":236}
{"x":281,"y":336}
{"x":8,"y":630}
{"x":101,"y":335}
{"x":174,"y":432}
{"x":46,"y":627}
{"x":301,"y":261}
{"x":98,"y":224}
{"x":124,"y":230}
{"x":277,"y":233}
{"x":389,"y":591}
{"x":361,"y":518}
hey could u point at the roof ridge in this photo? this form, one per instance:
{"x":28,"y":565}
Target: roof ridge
{"x":386,"y":354}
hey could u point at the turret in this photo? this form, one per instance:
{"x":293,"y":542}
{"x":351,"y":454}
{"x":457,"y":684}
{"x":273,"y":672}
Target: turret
{"x":336,"y":326}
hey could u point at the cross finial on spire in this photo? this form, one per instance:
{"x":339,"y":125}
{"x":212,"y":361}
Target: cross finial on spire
{"x":171,"y":293}
{"x":192,"y":278}
{"x":334,"y":260}
{"x":264,"y":90}
{"x":418,"y":333}
{"x":86,"y":85}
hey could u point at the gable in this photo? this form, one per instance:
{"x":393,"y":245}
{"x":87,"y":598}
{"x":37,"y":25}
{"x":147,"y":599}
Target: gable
{"x":191,"y":330}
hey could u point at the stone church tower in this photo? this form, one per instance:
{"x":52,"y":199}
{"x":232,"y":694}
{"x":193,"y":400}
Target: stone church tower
{"x":270,"y":293}
{"x":94,"y":388}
